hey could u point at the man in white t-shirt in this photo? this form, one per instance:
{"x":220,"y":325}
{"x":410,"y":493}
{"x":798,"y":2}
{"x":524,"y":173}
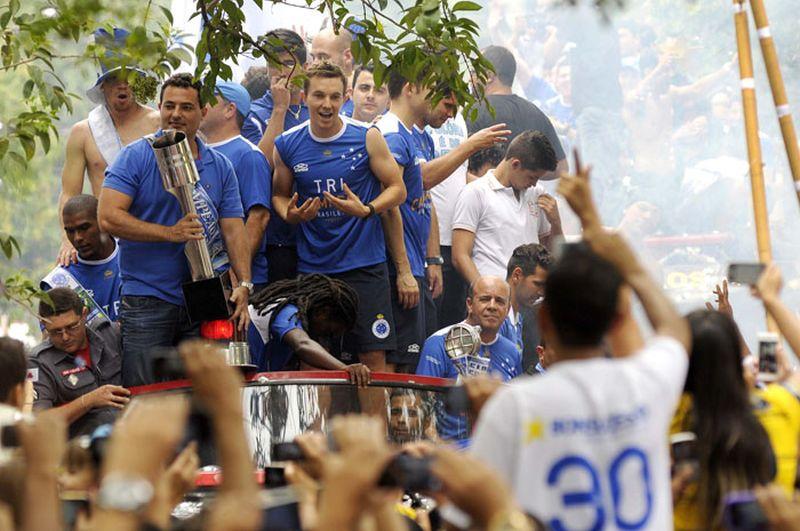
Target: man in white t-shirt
{"x":505,"y":208}
{"x":584,"y":446}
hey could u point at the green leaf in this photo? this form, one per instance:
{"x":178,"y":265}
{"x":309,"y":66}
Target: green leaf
{"x":44,"y":138}
{"x":27,"y":89}
{"x":466,"y":5}
{"x":29,"y":145}
{"x":167,"y":14}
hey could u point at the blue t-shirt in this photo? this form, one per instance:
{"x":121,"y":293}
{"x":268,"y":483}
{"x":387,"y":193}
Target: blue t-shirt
{"x":278,"y":231}
{"x":267,"y":348}
{"x":157,"y":269}
{"x":504,"y":360}
{"x":425,"y":144}
{"x":333,"y":241}
{"x":416,"y":210}
{"x":347,"y":108}
{"x":512,"y":332}
{"x":255,"y":187}
{"x":100,"y":278}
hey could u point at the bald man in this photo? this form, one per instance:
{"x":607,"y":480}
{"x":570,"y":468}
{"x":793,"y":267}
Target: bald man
{"x":327,"y":45}
{"x":487,"y":307}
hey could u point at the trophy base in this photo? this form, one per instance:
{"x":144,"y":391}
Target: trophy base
{"x":207,"y":299}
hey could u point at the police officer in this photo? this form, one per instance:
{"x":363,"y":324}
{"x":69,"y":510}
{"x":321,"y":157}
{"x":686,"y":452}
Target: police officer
{"x":77,"y":369}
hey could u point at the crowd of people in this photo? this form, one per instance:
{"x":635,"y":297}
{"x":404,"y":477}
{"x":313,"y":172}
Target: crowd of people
{"x":362,"y":227}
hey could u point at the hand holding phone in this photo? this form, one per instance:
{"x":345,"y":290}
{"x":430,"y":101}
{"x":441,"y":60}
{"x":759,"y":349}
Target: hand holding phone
{"x":745,"y":273}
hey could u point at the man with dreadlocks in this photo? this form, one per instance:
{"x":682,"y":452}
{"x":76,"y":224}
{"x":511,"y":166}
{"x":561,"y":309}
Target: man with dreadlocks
{"x":292,"y":320}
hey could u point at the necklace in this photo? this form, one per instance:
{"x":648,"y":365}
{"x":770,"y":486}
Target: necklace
{"x":295,"y":114}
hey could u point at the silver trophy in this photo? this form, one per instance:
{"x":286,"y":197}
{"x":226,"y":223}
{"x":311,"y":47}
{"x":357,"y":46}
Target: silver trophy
{"x":207,"y":296}
{"x":462,"y":345}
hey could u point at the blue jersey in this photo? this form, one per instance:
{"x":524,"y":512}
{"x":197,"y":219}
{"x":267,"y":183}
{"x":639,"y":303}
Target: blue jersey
{"x":347,"y":108}
{"x":269,"y":351}
{"x":255,"y":188}
{"x":255,"y":125}
{"x":333,"y":241}
{"x":157,"y":269}
{"x":415,"y":211}
{"x":100,"y":278}
{"x":504,"y":361}
{"x":512,"y":332}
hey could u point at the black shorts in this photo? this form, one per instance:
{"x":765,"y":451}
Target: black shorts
{"x":409,"y":326}
{"x":374,"y":328}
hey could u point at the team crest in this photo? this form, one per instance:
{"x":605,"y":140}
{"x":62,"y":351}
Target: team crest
{"x":73,"y":380}
{"x":533,"y":209}
{"x":381,"y":328}
{"x":327,"y":152}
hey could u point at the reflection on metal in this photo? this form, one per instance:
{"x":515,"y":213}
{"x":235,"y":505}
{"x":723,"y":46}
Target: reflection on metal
{"x":279,"y":413}
{"x":462,"y":345}
{"x":238,"y":355}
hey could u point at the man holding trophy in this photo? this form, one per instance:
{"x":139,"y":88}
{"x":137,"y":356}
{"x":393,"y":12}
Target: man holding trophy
{"x":169,"y":247}
{"x":472,"y":347}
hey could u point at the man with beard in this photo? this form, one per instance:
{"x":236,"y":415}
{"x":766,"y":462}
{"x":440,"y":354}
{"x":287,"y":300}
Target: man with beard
{"x":94,"y":143}
{"x":135,"y":207}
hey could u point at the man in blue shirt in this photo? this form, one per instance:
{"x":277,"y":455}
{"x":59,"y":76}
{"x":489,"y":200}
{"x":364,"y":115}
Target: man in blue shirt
{"x":526,"y":274}
{"x":97,"y":269}
{"x":332,"y":176}
{"x":296,"y":322}
{"x":487,"y":306}
{"x":222,"y":127}
{"x":135,"y":207}
{"x":281,"y":108}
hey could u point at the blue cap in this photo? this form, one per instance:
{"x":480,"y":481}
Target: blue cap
{"x":111,"y":42}
{"x":236,"y":94}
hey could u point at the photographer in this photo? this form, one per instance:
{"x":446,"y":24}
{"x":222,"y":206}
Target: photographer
{"x":77,"y":369}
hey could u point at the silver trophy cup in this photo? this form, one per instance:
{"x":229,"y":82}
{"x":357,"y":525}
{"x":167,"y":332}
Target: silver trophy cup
{"x":462,"y":345}
{"x":207,"y":296}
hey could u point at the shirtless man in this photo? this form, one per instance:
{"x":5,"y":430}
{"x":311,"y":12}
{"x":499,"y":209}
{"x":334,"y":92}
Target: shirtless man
{"x":117,"y":108}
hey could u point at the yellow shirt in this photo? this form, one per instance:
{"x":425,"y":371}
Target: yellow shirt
{"x":778,"y":410}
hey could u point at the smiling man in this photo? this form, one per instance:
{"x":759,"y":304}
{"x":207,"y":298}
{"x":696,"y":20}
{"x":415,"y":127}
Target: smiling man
{"x":97,"y":269}
{"x":152,"y":232}
{"x":94,"y":143}
{"x":333,"y":176}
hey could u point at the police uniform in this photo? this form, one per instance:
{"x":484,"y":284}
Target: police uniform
{"x":58,"y":378}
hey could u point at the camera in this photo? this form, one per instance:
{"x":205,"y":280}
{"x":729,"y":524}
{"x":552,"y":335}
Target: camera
{"x":767,"y":356}
{"x":456,"y":400}
{"x":410,"y":473}
{"x":286,"y":451}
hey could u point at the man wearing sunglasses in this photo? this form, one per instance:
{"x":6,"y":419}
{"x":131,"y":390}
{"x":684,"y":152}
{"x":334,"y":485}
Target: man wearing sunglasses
{"x":76,"y":370}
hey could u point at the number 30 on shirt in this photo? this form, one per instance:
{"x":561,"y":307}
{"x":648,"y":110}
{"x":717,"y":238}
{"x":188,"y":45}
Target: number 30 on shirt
{"x":631,"y":464}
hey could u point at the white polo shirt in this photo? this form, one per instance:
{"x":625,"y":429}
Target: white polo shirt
{"x":584,"y":446}
{"x":499,"y":220}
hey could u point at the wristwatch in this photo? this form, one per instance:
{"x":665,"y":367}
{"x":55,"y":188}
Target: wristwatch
{"x":124,"y":493}
{"x":249,"y":285}
{"x":434,"y":260}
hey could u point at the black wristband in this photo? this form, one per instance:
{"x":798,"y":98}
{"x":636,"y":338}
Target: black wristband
{"x":371,"y":210}
{"x":434,"y":260}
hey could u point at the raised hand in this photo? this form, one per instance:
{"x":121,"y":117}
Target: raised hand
{"x":723,"y":302}
{"x":281,"y":95}
{"x":305,"y":212}
{"x":351,"y":204}
{"x":488,"y":137}
{"x":67,"y":254}
{"x":769,"y":284}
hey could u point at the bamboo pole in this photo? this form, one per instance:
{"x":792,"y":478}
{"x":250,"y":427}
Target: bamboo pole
{"x":748,"y":86}
{"x":778,"y":90}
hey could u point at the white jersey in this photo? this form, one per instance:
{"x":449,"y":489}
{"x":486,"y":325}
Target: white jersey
{"x":584,"y":446}
{"x":446,"y":139}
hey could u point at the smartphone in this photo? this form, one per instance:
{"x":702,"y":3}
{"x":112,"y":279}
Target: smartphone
{"x":745,"y":273}
{"x":767,"y":356}
{"x":741,"y":512}
{"x":274,"y":477}
{"x":286,"y":451}
{"x":683,"y":448}
{"x":72,"y":504}
{"x":8,"y":436}
{"x":410,"y":473}
{"x":281,"y":510}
